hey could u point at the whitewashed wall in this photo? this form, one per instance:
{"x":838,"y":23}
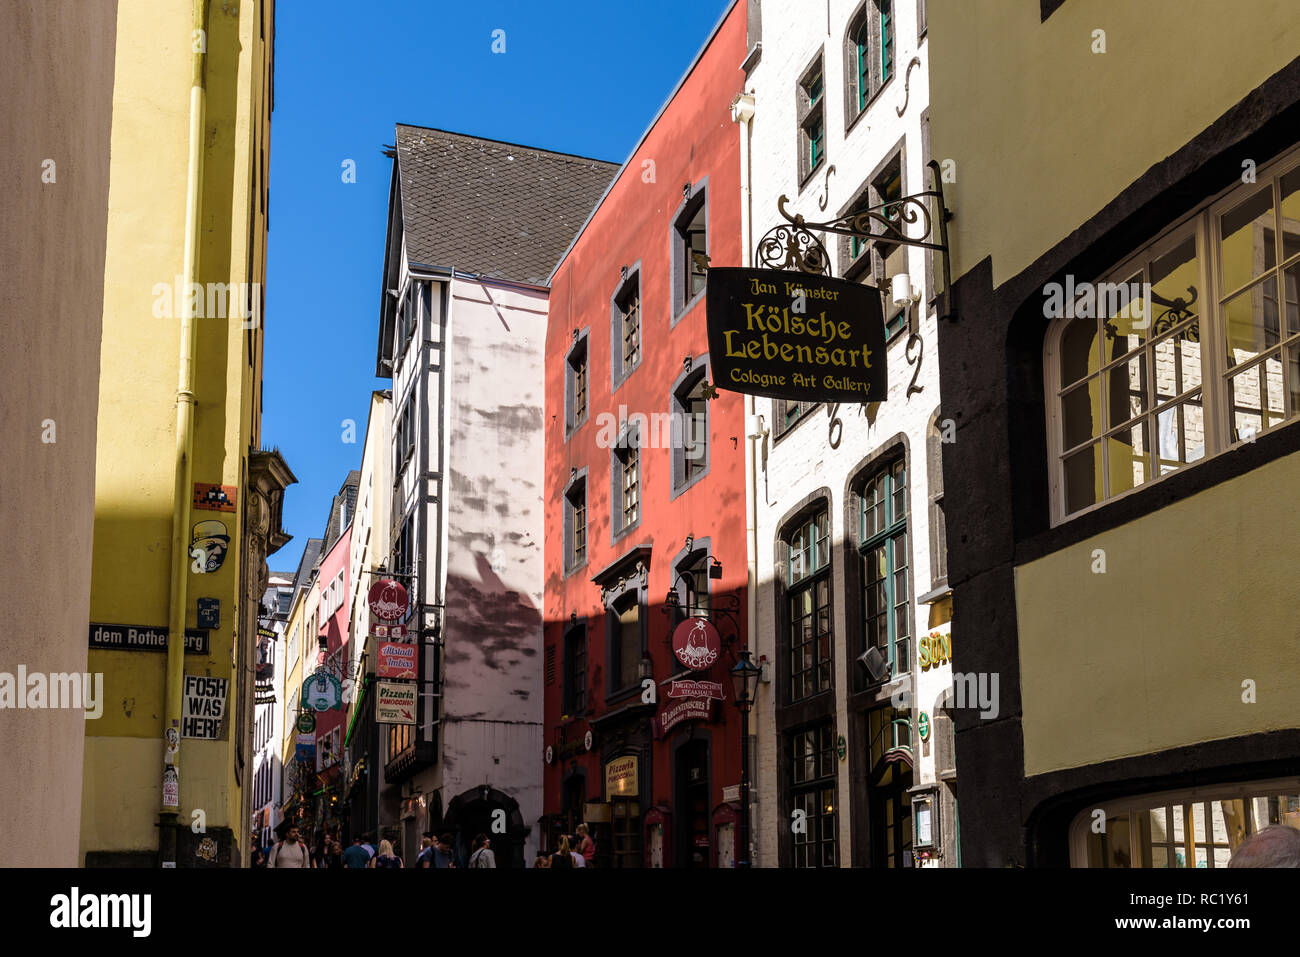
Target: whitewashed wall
{"x":787,"y":471}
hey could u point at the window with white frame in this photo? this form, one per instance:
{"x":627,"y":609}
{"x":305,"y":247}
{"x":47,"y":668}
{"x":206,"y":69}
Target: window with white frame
{"x":1201,"y":828}
{"x":1186,"y":349}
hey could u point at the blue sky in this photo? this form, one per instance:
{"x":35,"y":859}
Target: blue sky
{"x":577,"y":76}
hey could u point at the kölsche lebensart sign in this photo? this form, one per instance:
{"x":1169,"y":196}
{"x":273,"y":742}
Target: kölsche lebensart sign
{"x":795,"y":335}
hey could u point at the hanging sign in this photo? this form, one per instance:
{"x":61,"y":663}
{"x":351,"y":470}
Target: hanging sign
{"x":695,"y":689}
{"x":395,"y":632}
{"x":796,"y":335}
{"x":322,"y":691}
{"x":696,"y":643}
{"x":203,"y":707}
{"x":304,"y":748}
{"x":688,"y":709}
{"x":395,"y":660}
{"x":394,"y":703}
{"x":387,"y":600}
{"x":306,"y":722}
{"x":923,"y":726}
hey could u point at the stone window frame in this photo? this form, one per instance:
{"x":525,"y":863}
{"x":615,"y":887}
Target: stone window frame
{"x":576,"y":480}
{"x":808,"y":113}
{"x":617,"y":372}
{"x":578,"y":632}
{"x":934,"y":486}
{"x":867,"y":15}
{"x":634,"y":582}
{"x":683,"y":384}
{"x":581,"y":344}
{"x":617,"y":454}
{"x":693,"y":201}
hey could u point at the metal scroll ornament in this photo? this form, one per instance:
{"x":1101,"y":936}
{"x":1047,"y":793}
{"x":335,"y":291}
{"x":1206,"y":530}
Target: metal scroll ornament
{"x":904,"y":221}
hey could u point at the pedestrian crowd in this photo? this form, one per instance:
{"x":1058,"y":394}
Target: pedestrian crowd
{"x":436,"y":851}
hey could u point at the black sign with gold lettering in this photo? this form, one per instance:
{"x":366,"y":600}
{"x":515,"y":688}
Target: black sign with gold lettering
{"x":795,"y":335}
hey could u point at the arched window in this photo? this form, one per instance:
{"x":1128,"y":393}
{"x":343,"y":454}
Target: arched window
{"x":868,"y":54}
{"x":808,"y":602}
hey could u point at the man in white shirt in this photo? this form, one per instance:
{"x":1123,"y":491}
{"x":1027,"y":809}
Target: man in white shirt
{"x":291,"y":852}
{"x":578,"y":859}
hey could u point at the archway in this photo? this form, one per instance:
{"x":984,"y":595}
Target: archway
{"x":479,"y":811}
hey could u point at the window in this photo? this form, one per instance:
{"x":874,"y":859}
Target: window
{"x":404,"y":547}
{"x":1189,"y":347}
{"x":625,"y":316}
{"x":787,"y":412}
{"x":626,"y":460}
{"x":404,"y":435}
{"x":694,"y":572}
{"x":811,"y":111}
{"x":868,"y":54}
{"x":575,"y":671}
{"x":575,"y":524}
{"x":938,"y":522}
{"x":624,"y":669}
{"x":812,"y":790}
{"x":690,"y":249}
{"x":1198,"y":828}
{"x":690,"y":428}
{"x":886,"y":598}
{"x":575,"y":373}
{"x":808,"y":600}
{"x":293,"y":645}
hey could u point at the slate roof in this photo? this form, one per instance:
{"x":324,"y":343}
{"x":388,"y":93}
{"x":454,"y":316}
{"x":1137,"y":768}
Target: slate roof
{"x":494,"y":209}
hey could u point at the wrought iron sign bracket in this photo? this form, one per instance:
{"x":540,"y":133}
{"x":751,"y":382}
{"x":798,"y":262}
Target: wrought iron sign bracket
{"x":794,"y":245}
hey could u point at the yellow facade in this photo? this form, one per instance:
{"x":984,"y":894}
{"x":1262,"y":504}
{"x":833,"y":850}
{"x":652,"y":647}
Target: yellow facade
{"x":1149,"y":656}
{"x":150,"y":176}
{"x":1040,"y":125}
{"x":1023,"y":180}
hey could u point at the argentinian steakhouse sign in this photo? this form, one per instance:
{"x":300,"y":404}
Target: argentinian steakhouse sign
{"x":795,"y":335}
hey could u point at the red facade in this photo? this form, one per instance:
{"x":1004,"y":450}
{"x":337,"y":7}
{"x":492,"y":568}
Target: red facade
{"x":629,"y":516}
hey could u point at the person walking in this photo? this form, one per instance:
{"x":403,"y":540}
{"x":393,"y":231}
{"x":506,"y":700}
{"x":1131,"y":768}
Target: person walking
{"x":425,"y":857}
{"x":586,"y":846}
{"x":291,"y":852}
{"x":386,"y":857}
{"x":356,"y":855}
{"x":443,"y":853}
{"x":563,"y":857}
{"x":482,"y":855}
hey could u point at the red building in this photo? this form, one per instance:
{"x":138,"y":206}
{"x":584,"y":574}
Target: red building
{"x":645,"y":485}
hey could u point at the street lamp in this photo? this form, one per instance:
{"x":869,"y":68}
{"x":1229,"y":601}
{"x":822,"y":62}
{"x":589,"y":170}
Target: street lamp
{"x":744,"y":680}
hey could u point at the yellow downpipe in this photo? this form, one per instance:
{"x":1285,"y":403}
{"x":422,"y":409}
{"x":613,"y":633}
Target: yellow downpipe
{"x":185,"y":403}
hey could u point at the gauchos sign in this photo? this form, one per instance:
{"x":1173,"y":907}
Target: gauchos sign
{"x":696,"y":643}
{"x":795,"y":335}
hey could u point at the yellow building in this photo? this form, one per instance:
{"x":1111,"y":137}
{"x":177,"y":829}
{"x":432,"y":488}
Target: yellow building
{"x":187,"y":505}
{"x":1123,"y":375}
{"x":300,"y":657}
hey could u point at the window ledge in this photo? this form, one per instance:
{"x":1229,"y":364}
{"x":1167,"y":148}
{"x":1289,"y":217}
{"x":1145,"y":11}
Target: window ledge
{"x":935,"y":595}
{"x":752,"y":57}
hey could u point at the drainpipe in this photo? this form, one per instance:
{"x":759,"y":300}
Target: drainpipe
{"x":742,"y":112}
{"x":185,"y":402}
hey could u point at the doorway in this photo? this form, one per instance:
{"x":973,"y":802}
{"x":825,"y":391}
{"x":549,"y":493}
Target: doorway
{"x":691,"y":805}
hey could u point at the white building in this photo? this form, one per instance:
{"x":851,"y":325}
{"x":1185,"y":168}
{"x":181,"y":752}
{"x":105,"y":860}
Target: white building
{"x":268,"y":718}
{"x":369,"y":552}
{"x":475,"y":226}
{"x":846,"y":501}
